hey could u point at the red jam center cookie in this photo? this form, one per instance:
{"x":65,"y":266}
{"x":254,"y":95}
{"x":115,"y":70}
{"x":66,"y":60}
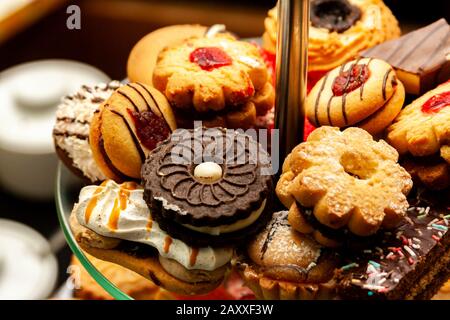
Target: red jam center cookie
{"x":210,"y":58}
{"x":150,"y":128}
{"x":350,"y":80}
{"x":436,"y":103}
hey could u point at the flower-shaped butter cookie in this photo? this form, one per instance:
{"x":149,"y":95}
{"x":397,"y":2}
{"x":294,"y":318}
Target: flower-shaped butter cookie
{"x":210,"y":74}
{"x":344,"y":180}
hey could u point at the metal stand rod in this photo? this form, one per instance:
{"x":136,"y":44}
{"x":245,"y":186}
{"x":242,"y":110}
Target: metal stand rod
{"x":291,"y":73}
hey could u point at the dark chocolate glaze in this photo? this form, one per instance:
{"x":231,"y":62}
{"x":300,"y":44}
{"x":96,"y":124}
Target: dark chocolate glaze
{"x":110,"y":165}
{"x":427,"y":239}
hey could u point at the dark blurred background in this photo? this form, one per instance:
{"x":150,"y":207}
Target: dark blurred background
{"x":110,"y":28}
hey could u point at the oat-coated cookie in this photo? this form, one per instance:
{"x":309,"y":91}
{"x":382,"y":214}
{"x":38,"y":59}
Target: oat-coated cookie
{"x":207,"y":74}
{"x":348,"y":179}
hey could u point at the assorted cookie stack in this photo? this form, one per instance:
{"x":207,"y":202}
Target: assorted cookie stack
{"x":183,"y":204}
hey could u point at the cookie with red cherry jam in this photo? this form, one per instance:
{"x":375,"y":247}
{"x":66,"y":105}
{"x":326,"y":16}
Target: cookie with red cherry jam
{"x":209,"y":187}
{"x":364,"y":93}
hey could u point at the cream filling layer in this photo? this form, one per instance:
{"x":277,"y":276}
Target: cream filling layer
{"x":117,"y":211}
{"x":227,"y":228}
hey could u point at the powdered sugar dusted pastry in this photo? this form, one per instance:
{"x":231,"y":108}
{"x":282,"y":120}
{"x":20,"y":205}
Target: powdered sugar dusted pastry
{"x":343,"y":180}
{"x":71,"y":131}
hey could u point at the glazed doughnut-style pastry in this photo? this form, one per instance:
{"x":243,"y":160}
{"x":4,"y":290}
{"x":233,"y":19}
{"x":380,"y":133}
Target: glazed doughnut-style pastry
{"x":209,"y":187}
{"x":343,"y":182}
{"x":113,"y":223}
{"x":127,"y":127}
{"x":422,"y":130}
{"x":71,"y":132}
{"x":339,"y":30}
{"x":282,"y":264}
{"x":364,"y":93}
{"x":219,"y":80}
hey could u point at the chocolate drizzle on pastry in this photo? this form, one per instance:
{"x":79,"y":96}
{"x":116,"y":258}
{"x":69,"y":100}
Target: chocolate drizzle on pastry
{"x":402,"y":264}
{"x":235,"y":181}
{"x":334,"y":15}
{"x":132,"y":134}
{"x":360,"y":79}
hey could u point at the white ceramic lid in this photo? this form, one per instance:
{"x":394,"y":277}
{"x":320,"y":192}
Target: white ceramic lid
{"x":29,"y":95}
{"x":28,"y":269}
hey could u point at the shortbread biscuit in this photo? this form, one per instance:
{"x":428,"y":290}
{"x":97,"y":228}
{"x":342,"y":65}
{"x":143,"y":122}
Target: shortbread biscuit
{"x":128,"y":126}
{"x":210,"y":74}
{"x":348,"y":179}
{"x":142,"y":59}
{"x":363,"y":92}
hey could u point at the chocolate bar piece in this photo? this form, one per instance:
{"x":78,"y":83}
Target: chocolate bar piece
{"x":421,"y":58}
{"x":412,"y":262}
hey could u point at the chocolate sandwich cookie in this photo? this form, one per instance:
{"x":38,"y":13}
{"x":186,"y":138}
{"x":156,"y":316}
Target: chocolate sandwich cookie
{"x":127,"y":127}
{"x":410,"y":262}
{"x":71,"y":131}
{"x":208,"y":187}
